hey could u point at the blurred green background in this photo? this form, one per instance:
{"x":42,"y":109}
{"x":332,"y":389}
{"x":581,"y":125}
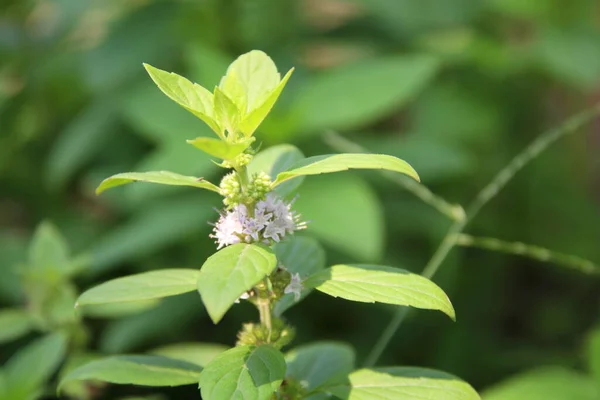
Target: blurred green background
{"x":455,"y":87}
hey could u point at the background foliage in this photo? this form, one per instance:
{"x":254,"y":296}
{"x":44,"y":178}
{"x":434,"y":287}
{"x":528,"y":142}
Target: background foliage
{"x":456,"y":88}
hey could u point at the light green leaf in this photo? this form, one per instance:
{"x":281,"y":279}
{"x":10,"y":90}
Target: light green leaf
{"x":245,"y":372}
{"x":34,"y":364}
{"x":144,"y":286}
{"x":145,"y":370}
{"x":48,"y":250}
{"x":219,"y":148}
{"x":256,"y":115}
{"x":161,"y":177}
{"x":593,"y":354}
{"x":226,"y":112}
{"x":342,"y":162}
{"x":376,"y":283}
{"x":358,"y":94}
{"x":319,"y":363}
{"x":545,"y":384}
{"x":232,"y":86}
{"x":349,"y":218}
{"x":190,"y":96}
{"x":277,"y":159}
{"x":15,"y":323}
{"x":118,"y":310}
{"x":196,"y":353}
{"x":302,"y":255}
{"x":230,"y":272}
{"x":403,"y":383}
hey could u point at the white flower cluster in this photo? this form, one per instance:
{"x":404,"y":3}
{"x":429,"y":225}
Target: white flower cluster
{"x":271,"y":220}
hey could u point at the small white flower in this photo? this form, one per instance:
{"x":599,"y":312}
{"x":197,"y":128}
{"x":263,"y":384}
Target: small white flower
{"x":295,"y":286}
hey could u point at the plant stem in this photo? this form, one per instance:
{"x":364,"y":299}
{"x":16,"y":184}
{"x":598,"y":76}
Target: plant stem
{"x":534,"y":149}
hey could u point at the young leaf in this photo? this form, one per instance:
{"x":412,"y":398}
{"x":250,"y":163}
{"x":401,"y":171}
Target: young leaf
{"x":226,"y":112}
{"x":145,"y":370}
{"x":342,"y":162}
{"x":196,"y":353}
{"x":48,"y":250}
{"x":190,"y":96}
{"x":375,"y":283}
{"x":15,"y":323}
{"x":144,"y":286}
{"x":230,"y":272}
{"x":161,"y":177}
{"x":403,"y":383}
{"x":34,"y":364}
{"x":277,"y":159}
{"x":219,"y":148}
{"x":302,"y":255}
{"x":244,"y":372}
{"x":320,"y":363}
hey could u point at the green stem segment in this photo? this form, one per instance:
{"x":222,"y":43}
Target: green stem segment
{"x":534,"y":149}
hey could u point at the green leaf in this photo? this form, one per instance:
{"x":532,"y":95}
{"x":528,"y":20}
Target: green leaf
{"x":144,"y":286}
{"x":320,"y":363}
{"x":145,"y":370}
{"x":219,"y":148}
{"x":33,"y":365}
{"x":302,"y":255}
{"x":118,"y":310}
{"x":190,"y":96}
{"x":376,"y":283}
{"x":356,"y":95}
{"x":230,"y":272}
{"x":404,"y":383}
{"x":593,"y":354}
{"x":349,"y":218}
{"x":544,"y":384}
{"x":48,"y":251}
{"x":277,"y":159}
{"x":161,"y":177}
{"x":254,"y":118}
{"x":15,"y":323}
{"x":342,"y":162}
{"x":196,"y":353}
{"x":226,"y":112}
{"x":245,"y":372}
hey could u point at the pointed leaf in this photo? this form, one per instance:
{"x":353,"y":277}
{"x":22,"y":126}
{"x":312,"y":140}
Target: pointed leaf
{"x":226,"y":112}
{"x":48,"y":250}
{"x":191,"y":96}
{"x":232,"y":86}
{"x":219,"y":148}
{"x":320,"y":363}
{"x":161,"y":177}
{"x":403,"y":383}
{"x":244,"y":372}
{"x":230,"y":272}
{"x":15,"y":323}
{"x":145,"y":370}
{"x":302,"y":255}
{"x":196,"y":353}
{"x":257,"y":114}
{"x":277,"y":159}
{"x":27,"y":370}
{"x":376,"y":283}
{"x":144,"y":286}
{"x":342,"y":162}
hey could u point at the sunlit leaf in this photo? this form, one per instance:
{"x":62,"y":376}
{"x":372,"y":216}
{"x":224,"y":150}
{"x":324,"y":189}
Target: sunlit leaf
{"x":196,"y":353}
{"x":226,"y":112}
{"x":230,"y":272}
{"x":376,"y":283}
{"x":219,"y":148}
{"x":244,"y":372}
{"x":161,"y":177}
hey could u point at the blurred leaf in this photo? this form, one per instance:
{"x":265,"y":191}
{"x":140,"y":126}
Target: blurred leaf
{"x":377,"y":283}
{"x":206,"y":64}
{"x":196,"y":353}
{"x":230,"y":272}
{"x":345,"y":213}
{"x":142,"y":370}
{"x":117,"y":310}
{"x":219,"y":148}
{"x":342,"y":162}
{"x":543,"y":384}
{"x":276,"y":159}
{"x":83,"y":137}
{"x":48,"y":252}
{"x":29,"y":369}
{"x":15,"y":323}
{"x":144,"y":286}
{"x":317,"y":363}
{"x":359,"y":94}
{"x":404,"y":383}
{"x":594,"y":355}
{"x":160,"y":177}
{"x":13,"y":251}
{"x":248,"y":372}
{"x":302,"y":255}
{"x":152,"y":229}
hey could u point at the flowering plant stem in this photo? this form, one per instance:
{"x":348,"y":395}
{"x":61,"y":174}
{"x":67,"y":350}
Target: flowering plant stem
{"x":534,"y":149}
